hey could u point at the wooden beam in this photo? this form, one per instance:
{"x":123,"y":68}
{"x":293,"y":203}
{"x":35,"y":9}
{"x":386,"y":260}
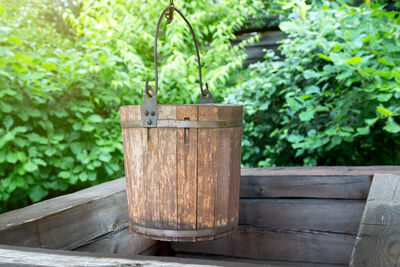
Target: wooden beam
{"x":320,"y":171}
{"x":266,"y":185}
{"x":278,"y":245}
{"x":339,"y":216}
{"x":378,"y":240}
{"x":19,"y":256}
{"x":310,"y":182}
{"x":120,"y":242}
{"x":247,"y":260}
{"x":72,"y":220}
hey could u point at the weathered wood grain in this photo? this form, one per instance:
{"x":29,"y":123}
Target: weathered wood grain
{"x":18,"y":256}
{"x":247,"y":260}
{"x":187,"y":170}
{"x":167,"y":170}
{"x":120,"y":242}
{"x":207,"y":168}
{"x":320,"y":171}
{"x":338,"y":187}
{"x":68,"y":221}
{"x":378,"y":239}
{"x":338,"y":216}
{"x":279,"y":245}
{"x":310,"y":182}
{"x":132,"y":141}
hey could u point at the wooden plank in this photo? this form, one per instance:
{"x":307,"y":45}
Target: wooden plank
{"x":207,"y":168}
{"x":133,"y":162}
{"x":120,"y":242}
{"x":19,"y":256}
{"x":378,"y":239}
{"x":167,"y":169}
{"x":187,"y":170}
{"x":277,"y":244}
{"x":91,"y":216}
{"x":151,"y":182}
{"x":224,"y":208}
{"x":53,"y":223}
{"x":339,"y":216}
{"x":247,"y":260}
{"x":266,"y":185}
{"x":320,"y":171}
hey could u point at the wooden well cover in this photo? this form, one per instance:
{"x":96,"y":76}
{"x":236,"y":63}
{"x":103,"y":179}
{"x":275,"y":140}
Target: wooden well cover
{"x":182,"y":177}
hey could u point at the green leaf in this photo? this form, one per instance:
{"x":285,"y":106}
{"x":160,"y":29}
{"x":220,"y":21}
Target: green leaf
{"x":3,"y":156}
{"x":371,"y":121}
{"x":20,"y":182}
{"x":306,"y":115}
{"x":30,"y":166}
{"x":14,"y":40}
{"x":325,"y":57}
{"x":83,"y":176}
{"x":396,"y":73}
{"x":12,"y":157}
{"x":87,"y":128}
{"x":308,"y":74}
{"x":386,"y":61}
{"x":8,"y":122}
{"x":354,"y":60}
{"x":384,"y":111}
{"x":39,"y":162}
{"x":21,"y":156}
{"x":6,"y":138}
{"x":337,"y":140}
{"x":363,"y":130}
{"x":105,"y":157}
{"x":48,"y":66}
{"x":95,"y":118}
{"x":293,"y":104}
{"x":64,"y":174}
{"x":18,"y":67}
{"x":6,"y":108}
{"x":50,"y":151}
{"x":391,"y":126}
{"x":37,"y":193}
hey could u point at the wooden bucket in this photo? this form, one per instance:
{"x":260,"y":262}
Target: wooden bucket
{"x":182,"y":164}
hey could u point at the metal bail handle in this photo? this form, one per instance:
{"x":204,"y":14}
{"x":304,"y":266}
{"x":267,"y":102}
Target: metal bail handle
{"x":149,"y":94}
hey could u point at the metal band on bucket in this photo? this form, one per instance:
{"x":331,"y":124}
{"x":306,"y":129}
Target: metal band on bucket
{"x":184,"y":124}
{"x":168,"y":235}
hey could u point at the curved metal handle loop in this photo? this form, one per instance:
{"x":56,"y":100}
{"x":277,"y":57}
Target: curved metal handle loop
{"x":206,"y":95}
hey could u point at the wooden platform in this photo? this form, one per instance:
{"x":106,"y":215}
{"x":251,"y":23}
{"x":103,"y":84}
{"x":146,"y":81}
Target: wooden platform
{"x":288,"y":217}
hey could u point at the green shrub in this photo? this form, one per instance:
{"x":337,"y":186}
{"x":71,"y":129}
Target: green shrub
{"x":334,"y":97}
{"x":66,"y":68}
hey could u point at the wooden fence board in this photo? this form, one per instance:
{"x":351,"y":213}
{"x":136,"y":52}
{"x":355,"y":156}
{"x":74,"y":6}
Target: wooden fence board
{"x":19,"y":256}
{"x":340,"y":216}
{"x":279,"y":245}
{"x":378,"y":240}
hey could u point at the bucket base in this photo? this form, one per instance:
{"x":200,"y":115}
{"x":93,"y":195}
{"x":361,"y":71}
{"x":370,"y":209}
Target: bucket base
{"x":183,"y":235}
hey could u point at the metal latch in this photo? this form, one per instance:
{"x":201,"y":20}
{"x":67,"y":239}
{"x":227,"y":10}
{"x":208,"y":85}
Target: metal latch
{"x":149,"y":111}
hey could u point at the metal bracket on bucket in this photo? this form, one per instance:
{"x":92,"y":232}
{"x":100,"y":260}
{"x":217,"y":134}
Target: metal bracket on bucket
{"x":149,"y":107}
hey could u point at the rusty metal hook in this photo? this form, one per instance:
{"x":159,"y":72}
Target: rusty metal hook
{"x":206,"y":95}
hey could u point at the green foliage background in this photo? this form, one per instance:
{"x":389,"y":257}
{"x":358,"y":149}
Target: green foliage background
{"x":65,"y":69}
{"x":334,"y":99}
{"x":67,"y":66}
